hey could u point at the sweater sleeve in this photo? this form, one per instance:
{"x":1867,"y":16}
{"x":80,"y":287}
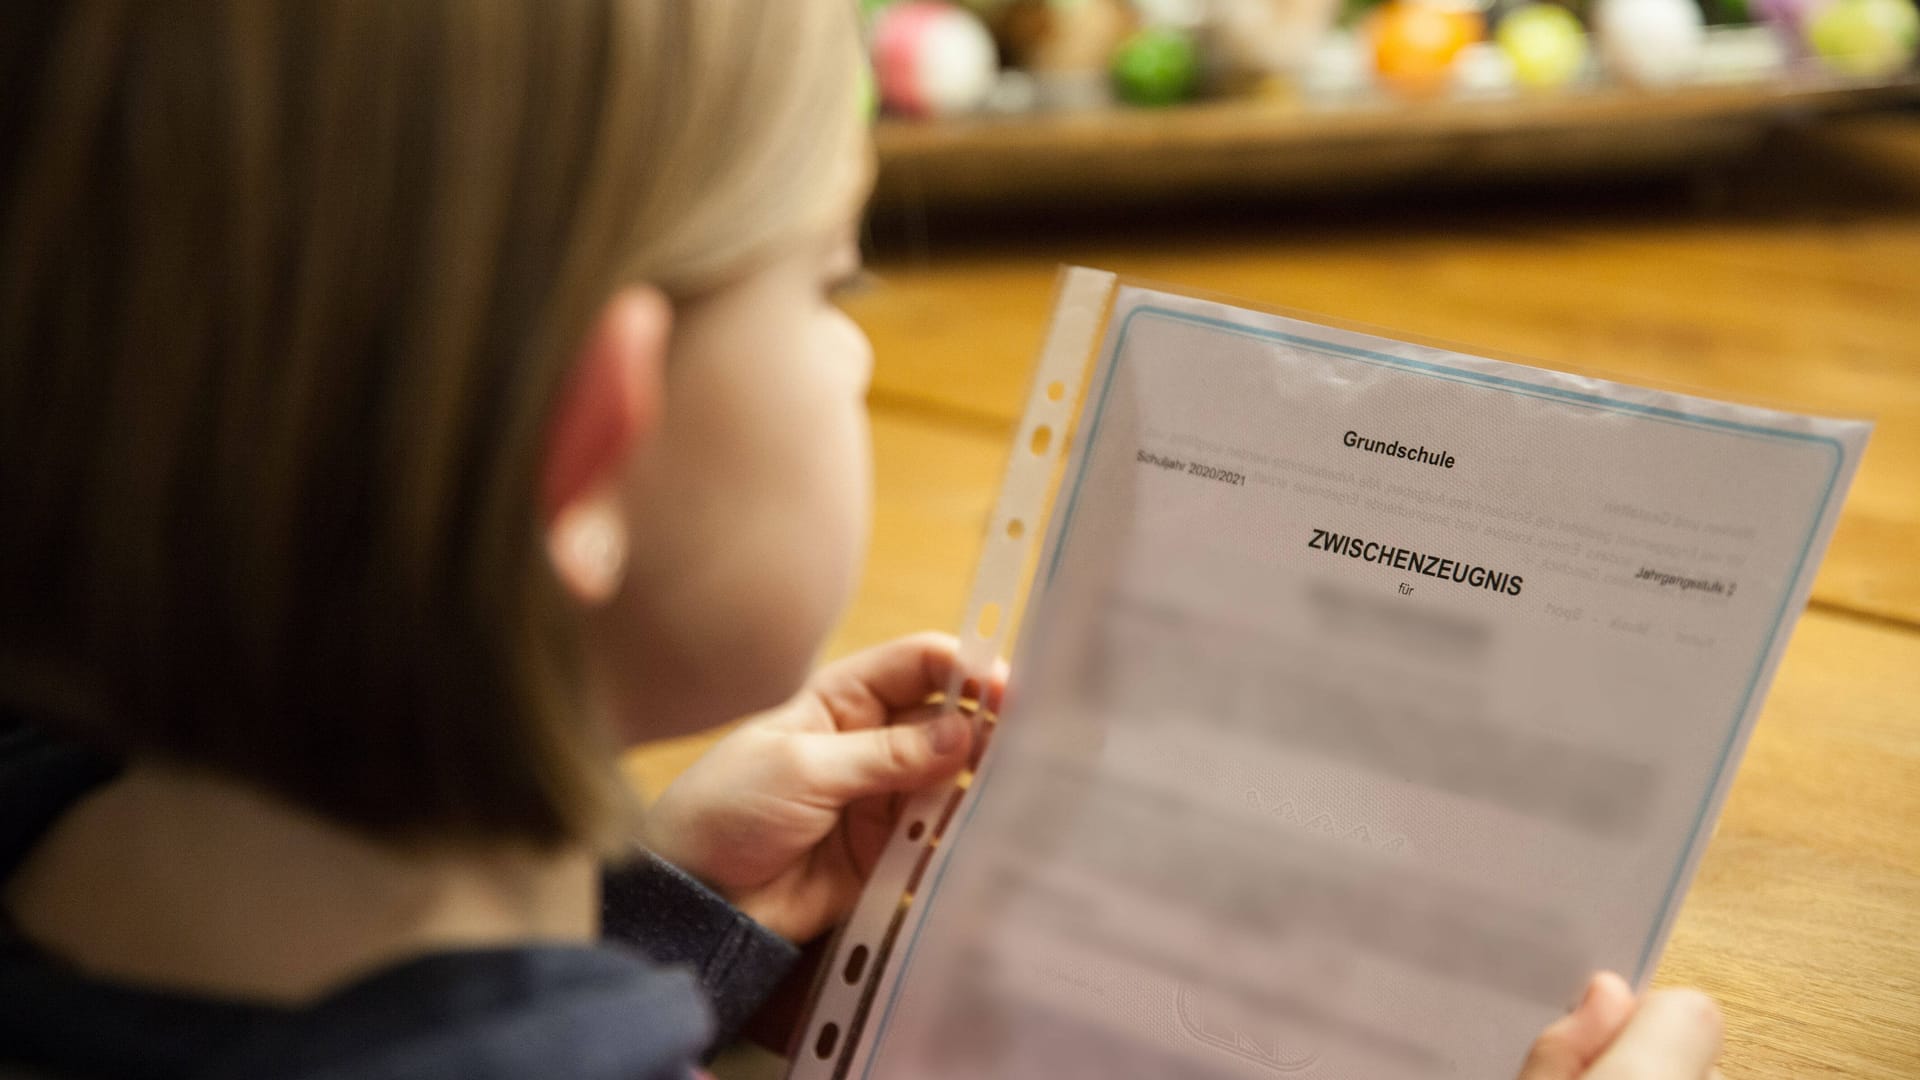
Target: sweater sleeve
{"x":41,"y":777}
{"x":652,"y":906}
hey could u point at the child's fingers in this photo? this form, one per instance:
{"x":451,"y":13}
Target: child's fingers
{"x":848,"y":765}
{"x":1565,"y":1049}
{"x":864,"y":689}
{"x":1674,"y":1035}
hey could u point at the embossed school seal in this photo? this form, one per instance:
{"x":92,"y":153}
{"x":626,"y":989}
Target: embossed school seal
{"x":1230,"y":1036}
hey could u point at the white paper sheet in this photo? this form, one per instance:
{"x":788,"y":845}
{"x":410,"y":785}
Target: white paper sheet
{"x":1370,"y":697}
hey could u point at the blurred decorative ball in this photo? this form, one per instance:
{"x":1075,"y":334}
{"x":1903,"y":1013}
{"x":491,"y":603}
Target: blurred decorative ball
{"x":1742,"y":54}
{"x":1248,"y":42}
{"x":1340,"y":66}
{"x":1415,"y":43}
{"x":932,"y":59}
{"x":1066,"y":46}
{"x":1179,"y":14}
{"x":1546,"y":44}
{"x":1482,"y":70}
{"x":1789,"y":20}
{"x":1650,"y":42}
{"x":1049,"y":37}
{"x":1156,"y":67}
{"x":1865,"y":38}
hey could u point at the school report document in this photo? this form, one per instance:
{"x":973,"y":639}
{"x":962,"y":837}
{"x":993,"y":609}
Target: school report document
{"x":1369,"y":696}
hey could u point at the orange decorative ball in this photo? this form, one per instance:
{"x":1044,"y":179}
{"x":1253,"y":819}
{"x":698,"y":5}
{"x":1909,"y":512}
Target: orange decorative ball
{"x":1415,"y":43}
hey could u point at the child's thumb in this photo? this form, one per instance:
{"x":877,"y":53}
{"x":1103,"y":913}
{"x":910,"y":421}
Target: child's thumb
{"x":1569,"y":1045}
{"x":1675,"y":1035}
{"x":850,"y":765}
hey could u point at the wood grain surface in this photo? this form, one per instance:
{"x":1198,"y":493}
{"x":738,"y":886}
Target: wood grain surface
{"x":1792,"y":280}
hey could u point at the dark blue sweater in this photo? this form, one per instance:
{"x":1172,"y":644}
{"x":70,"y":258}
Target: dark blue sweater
{"x":680,"y":965}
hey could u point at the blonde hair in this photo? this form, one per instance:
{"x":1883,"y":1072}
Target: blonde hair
{"x":287,"y":291}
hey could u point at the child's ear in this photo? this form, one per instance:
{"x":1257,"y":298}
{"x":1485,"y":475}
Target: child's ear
{"x":608,"y":408}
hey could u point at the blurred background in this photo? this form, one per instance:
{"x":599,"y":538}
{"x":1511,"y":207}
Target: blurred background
{"x":992,"y":102}
{"x":1720,"y":196}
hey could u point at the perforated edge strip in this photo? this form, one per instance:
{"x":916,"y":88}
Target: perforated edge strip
{"x":832,"y":1042}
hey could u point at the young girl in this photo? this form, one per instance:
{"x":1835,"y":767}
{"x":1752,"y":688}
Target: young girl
{"x":403,"y":406}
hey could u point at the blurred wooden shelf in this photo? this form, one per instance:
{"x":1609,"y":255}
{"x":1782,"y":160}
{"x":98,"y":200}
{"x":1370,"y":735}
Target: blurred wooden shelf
{"x":1289,"y":146}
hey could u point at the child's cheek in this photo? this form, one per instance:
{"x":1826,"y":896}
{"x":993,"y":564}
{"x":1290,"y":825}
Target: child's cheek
{"x":858,"y":351}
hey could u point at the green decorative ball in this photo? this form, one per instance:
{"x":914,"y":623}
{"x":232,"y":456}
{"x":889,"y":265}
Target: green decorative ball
{"x":1546,"y":44}
{"x":1866,"y":38}
{"x":1156,"y":67}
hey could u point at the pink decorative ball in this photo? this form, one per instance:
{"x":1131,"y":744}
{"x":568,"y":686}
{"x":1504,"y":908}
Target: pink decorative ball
{"x":932,"y":59}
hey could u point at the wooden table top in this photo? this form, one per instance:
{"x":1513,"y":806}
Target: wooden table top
{"x":1796,"y":282}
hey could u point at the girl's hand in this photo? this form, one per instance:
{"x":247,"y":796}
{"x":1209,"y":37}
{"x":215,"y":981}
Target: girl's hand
{"x":786,"y":815}
{"x":1668,"y":1035}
